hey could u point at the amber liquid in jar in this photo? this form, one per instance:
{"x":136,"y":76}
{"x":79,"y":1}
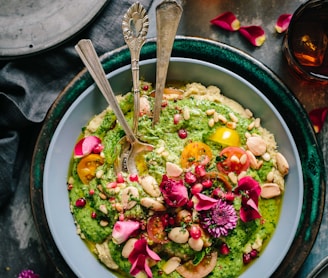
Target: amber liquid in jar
{"x":308,"y":38}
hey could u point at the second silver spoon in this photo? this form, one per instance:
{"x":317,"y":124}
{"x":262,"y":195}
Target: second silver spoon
{"x":90,"y":58}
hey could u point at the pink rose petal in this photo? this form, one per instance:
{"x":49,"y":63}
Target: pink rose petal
{"x":227,"y":21}
{"x":254,"y":34}
{"x":204,"y":202}
{"x":318,"y":117}
{"x":123,"y":230}
{"x":138,"y":258}
{"x":283,"y":22}
{"x":85,"y":146}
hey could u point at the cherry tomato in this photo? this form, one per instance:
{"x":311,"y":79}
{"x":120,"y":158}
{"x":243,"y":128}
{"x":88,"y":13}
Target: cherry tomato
{"x":86,"y":169}
{"x":195,"y":153}
{"x":226,"y":136}
{"x":233,"y":159}
{"x":156,"y":229}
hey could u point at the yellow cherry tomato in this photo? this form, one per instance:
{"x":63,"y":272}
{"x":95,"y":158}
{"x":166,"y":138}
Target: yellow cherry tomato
{"x":86,"y":169}
{"x":195,"y":153}
{"x":226,"y":136}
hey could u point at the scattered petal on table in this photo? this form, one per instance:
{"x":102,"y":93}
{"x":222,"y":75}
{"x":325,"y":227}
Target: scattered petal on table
{"x":283,"y":22}
{"x":227,"y":21}
{"x":254,"y":34}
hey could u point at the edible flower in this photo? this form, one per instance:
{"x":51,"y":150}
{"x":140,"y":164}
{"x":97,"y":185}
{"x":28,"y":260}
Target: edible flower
{"x":27,"y":273}
{"x":283,"y":22}
{"x":254,"y":34}
{"x":174,"y":192}
{"x":139,"y":258}
{"x":204,"y":202}
{"x":250,"y":190}
{"x":227,"y":21}
{"x":123,"y":230}
{"x":220,"y":219}
{"x":86,"y":146}
{"x":318,"y":117}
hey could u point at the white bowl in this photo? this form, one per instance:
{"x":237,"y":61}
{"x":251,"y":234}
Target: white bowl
{"x":91,"y":102}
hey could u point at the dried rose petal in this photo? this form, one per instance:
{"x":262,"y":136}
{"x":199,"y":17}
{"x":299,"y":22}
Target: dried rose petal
{"x":254,"y":34}
{"x":227,"y":21}
{"x":318,"y":117}
{"x":86,"y":145}
{"x":174,"y":192}
{"x":138,"y":258}
{"x":123,"y":230}
{"x":204,"y":202}
{"x":250,"y":190}
{"x":283,"y":22}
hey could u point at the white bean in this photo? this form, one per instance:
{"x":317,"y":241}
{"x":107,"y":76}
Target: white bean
{"x":179,"y":235}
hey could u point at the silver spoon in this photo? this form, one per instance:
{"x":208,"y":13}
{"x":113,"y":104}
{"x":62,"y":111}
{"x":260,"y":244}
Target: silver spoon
{"x":168,"y":15}
{"x":90,"y":58}
{"x":135,"y":27}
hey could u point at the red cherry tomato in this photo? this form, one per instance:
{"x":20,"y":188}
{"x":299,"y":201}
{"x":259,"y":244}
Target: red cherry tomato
{"x":232,"y":159}
{"x":156,"y":229}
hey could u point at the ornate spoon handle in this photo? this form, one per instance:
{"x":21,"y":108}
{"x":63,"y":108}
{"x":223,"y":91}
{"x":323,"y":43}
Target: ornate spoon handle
{"x":168,"y":15}
{"x":135,"y":27}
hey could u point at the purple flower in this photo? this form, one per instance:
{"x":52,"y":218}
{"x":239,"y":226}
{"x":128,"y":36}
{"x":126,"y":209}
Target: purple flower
{"x":219,"y":219}
{"x":174,"y":192}
{"x":27,"y":273}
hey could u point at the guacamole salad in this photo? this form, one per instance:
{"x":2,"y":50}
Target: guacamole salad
{"x":206,"y":200}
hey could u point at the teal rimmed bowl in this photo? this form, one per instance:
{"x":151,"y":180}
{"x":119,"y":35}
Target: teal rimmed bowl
{"x":240,"y":77}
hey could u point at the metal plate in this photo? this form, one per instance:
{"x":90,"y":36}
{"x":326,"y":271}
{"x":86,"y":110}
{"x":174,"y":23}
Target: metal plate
{"x":30,"y":26}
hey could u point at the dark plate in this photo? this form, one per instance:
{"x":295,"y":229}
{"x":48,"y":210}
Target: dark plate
{"x":30,"y":26}
{"x":251,"y":70}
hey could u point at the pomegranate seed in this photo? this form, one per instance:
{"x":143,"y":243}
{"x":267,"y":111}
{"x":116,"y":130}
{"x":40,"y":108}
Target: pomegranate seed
{"x":196,"y":188}
{"x":200,"y":170}
{"x":217,"y":192}
{"x":182,"y":133}
{"x":207,"y":183}
{"x":253,"y":253}
{"x":91,"y":192}
{"x":93,"y":215}
{"x":224,"y":249}
{"x":190,"y":178}
{"x":195,"y":232}
{"x":98,"y":148}
{"x":176,"y":118}
{"x":145,"y":87}
{"x":80,"y":203}
{"x":164,"y":104}
{"x":70,"y":187}
{"x":229,"y":196}
{"x":134,"y":177}
{"x":119,"y":178}
{"x":171,"y":220}
{"x":247,"y":258}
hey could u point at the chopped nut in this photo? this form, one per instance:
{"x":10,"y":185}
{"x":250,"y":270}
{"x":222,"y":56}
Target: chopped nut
{"x":231,"y":125}
{"x":270,"y":176}
{"x":282,"y":164}
{"x":211,"y":122}
{"x":103,"y":223}
{"x":232,"y":176}
{"x":270,"y":190}
{"x":256,"y":145}
{"x":210,"y":112}
{"x":233,"y":117}
{"x":266,"y":156}
{"x":222,"y":119}
{"x":103,"y":209}
{"x":186,"y":113}
{"x":102,"y":196}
